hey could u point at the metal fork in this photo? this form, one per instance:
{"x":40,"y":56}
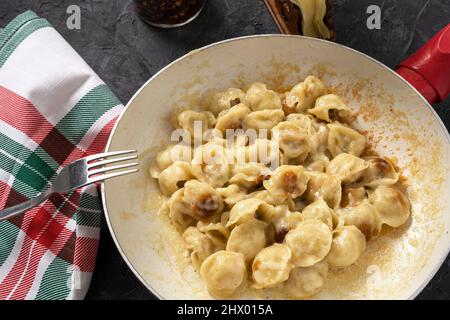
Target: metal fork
{"x":78,"y":174}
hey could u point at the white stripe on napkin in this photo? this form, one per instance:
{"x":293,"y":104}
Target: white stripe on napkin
{"x":63,"y":77}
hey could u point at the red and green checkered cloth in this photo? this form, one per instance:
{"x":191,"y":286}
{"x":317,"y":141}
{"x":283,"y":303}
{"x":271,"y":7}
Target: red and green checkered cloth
{"x":54,"y":109}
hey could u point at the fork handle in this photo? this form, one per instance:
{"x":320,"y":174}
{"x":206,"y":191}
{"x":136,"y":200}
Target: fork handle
{"x":24,"y":206}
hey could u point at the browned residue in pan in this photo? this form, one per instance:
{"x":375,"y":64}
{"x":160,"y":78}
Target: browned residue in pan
{"x":409,"y":145}
{"x":392,"y":133}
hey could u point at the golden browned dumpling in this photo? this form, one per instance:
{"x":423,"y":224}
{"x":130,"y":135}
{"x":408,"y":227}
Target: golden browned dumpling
{"x":392,"y":205}
{"x":249,"y":175}
{"x":225,"y":100}
{"x":303,"y":121}
{"x":294,"y":142}
{"x":271,"y":266}
{"x":329,"y":107}
{"x":352,"y":196}
{"x":188,"y":118}
{"x":224,"y":272}
{"x":258,"y":97}
{"x":285,"y":220}
{"x":211,"y":164}
{"x":170,"y":155}
{"x":232,"y":194}
{"x":325,"y":186}
{"x":248,"y":209}
{"x":248,"y":238}
{"x":347,"y":246}
{"x":200,"y":244}
{"x":310,"y":242}
{"x":344,"y":139}
{"x":232,"y":118}
{"x":174,"y":177}
{"x":216,"y":231}
{"x":303,"y":96}
{"x":197,"y":200}
{"x":319,"y":210}
{"x":364,"y":216}
{"x":263,"y":119}
{"x":287,"y":181}
{"x":379,"y":172}
{"x":347,"y":167}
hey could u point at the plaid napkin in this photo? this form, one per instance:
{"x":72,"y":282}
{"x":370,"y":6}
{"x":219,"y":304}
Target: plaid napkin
{"x":54,"y":109}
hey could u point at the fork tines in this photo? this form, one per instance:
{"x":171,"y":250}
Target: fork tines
{"x":97,"y":164}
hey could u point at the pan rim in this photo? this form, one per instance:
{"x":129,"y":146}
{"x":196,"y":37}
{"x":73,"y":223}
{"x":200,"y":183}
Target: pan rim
{"x":436,"y":267}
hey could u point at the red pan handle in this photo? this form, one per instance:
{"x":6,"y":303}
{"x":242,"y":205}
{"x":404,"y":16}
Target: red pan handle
{"x":428,"y":69}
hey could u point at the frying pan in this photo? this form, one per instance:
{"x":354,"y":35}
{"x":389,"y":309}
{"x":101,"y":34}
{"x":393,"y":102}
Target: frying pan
{"x":400,"y":122}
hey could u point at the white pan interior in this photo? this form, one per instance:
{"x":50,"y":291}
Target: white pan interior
{"x":402,"y":126}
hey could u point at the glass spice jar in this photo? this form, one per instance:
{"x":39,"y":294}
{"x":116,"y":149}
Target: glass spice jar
{"x":168,"y":13}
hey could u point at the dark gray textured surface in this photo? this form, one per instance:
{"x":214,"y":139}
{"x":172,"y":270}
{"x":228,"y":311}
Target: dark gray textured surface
{"x":125,"y":53}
